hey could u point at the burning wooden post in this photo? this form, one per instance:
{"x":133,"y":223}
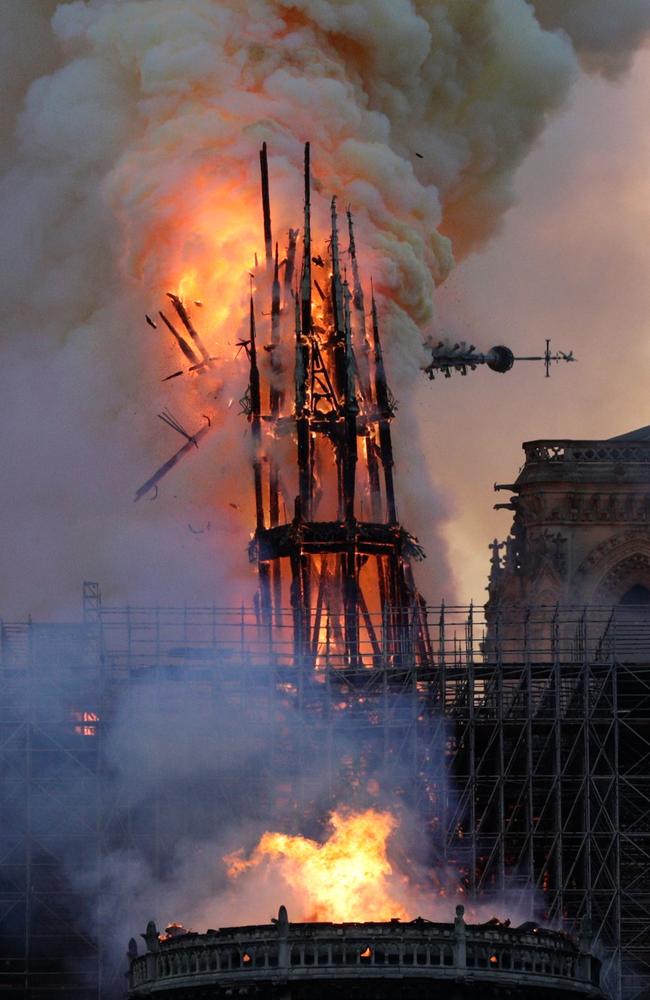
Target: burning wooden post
{"x":348,"y":578}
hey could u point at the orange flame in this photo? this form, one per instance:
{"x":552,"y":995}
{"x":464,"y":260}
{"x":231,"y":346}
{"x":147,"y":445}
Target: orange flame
{"x":347,"y":878}
{"x":89,"y":720}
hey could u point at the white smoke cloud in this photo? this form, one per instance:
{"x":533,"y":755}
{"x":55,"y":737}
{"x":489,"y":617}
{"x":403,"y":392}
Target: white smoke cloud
{"x":136,"y":137}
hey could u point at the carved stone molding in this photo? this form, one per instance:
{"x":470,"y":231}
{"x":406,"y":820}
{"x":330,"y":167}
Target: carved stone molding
{"x":635,"y":569}
{"x":616,"y":564}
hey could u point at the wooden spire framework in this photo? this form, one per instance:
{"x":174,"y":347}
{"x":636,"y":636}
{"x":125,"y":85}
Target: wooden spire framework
{"x":342,"y":560}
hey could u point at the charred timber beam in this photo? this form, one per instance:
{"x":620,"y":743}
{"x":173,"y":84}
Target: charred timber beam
{"x":164,"y":469}
{"x":344,"y":373}
{"x":185,"y":319}
{"x":320,"y":600}
{"x":358,"y":303}
{"x":303,"y":359}
{"x":256,"y":402}
{"x":275,"y":395}
{"x":363,"y":370}
{"x":350,"y":603}
{"x":302,"y":366}
{"x":255,"y":406}
{"x":187,"y":350}
{"x":290,"y":265}
{"x":335,"y":536}
{"x":266,"y":204}
{"x":336,"y":297}
{"x":275,"y":403}
{"x":305,"y":283}
{"x":385,"y":413}
{"x":336,"y":282}
{"x":351,"y":414}
{"x":268,"y":550}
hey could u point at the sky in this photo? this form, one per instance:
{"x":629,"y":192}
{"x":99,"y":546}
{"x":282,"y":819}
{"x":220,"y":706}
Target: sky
{"x":79,"y":383}
{"x":571,"y":263}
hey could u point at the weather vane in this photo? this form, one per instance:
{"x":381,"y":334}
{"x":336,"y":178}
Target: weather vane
{"x":446,"y":358}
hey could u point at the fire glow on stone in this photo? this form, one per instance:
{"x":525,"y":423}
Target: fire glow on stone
{"x":346,"y":878}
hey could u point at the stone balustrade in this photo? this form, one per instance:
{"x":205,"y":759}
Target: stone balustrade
{"x":591,"y":452}
{"x":326,"y":951}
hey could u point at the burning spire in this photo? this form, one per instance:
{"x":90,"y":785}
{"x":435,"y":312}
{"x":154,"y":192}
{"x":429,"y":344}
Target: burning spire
{"x":345,"y":574}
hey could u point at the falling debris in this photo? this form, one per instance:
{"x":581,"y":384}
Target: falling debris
{"x":168,"y":418}
{"x":193,"y":441}
{"x":186,"y":320}
{"x":182,"y":343}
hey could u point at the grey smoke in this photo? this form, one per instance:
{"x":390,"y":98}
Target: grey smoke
{"x":605,"y":34}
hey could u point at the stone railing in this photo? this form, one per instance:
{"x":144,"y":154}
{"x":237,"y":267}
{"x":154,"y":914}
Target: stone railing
{"x":599,"y":452}
{"x":323,"y":951}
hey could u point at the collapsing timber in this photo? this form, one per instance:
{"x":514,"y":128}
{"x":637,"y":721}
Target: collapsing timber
{"x":192,"y":442}
{"x":341,"y":401}
{"x":194,"y":350}
{"x":343,"y":561}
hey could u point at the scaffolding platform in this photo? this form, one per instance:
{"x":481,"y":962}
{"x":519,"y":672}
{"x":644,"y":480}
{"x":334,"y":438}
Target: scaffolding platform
{"x":523,"y":745}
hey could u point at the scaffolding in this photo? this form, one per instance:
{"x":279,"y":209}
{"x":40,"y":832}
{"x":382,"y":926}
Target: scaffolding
{"x":523,"y":746}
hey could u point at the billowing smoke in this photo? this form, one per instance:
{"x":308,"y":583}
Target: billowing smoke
{"x":131,"y":165}
{"x":131,"y":132}
{"x":604,"y":34}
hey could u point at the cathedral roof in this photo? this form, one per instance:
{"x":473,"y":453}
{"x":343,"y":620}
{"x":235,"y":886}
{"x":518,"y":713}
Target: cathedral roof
{"x":641,"y":434}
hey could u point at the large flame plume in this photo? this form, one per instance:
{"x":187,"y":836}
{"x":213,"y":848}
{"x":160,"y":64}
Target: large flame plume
{"x":347,"y":878}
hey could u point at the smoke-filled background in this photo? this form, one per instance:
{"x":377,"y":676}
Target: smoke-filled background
{"x":130,"y":132}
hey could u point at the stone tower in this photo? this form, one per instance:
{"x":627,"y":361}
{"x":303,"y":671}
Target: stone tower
{"x":581,"y":528}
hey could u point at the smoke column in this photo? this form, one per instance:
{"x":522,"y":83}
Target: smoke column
{"x":130,"y":168}
{"x":130,"y":135}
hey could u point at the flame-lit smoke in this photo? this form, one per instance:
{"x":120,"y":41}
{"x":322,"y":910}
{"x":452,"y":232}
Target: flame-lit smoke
{"x":131,"y":133}
{"x":347,"y":878}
